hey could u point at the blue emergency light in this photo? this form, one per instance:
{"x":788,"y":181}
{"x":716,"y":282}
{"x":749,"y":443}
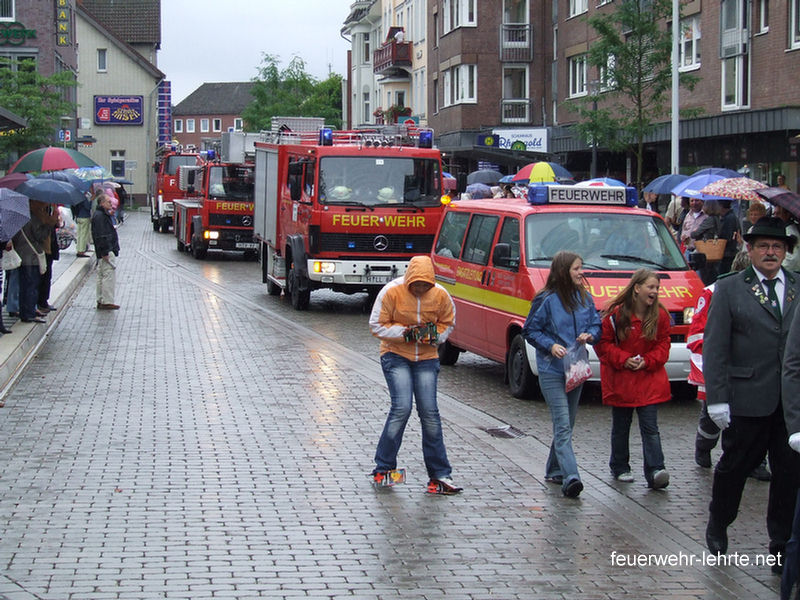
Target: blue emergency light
{"x":425,"y":138}
{"x":211,"y":155}
{"x":326,"y":136}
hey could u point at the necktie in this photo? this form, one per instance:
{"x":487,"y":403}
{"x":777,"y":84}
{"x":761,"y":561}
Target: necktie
{"x":772,"y":295}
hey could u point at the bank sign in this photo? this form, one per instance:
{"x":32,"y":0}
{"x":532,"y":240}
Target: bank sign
{"x":529,"y":139}
{"x":118,"y":110}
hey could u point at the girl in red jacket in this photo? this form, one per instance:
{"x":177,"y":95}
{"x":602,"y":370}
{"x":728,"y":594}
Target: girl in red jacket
{"x":633,"y":348}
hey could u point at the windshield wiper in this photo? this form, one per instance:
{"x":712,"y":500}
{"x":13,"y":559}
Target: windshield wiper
{"x":636,"y":259}
{"x":591,"y":266}
{"x":351,"y":203}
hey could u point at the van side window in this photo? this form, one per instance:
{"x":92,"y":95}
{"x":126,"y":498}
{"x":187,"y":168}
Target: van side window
{"x":451,"y":234}
{"x":509,"y":234}
{"x":478,"y":244}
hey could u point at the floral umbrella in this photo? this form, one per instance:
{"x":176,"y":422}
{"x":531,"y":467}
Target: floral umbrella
{"x":735,"y":188}
{"x":51,"y":158}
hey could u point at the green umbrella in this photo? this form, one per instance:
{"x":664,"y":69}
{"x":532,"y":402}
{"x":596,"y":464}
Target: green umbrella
{"x":51,"y":158}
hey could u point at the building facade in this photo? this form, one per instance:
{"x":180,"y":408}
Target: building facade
{"x":203,"y":116}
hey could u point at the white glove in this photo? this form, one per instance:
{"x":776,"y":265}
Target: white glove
{"x":794,"y":442}
{"x":720,"y":414}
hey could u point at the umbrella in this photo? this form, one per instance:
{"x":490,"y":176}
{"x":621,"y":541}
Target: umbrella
{"x":128,"y":182}
{"x":691,"y":187}
{"x":82,"y":185}
{"x":14,"y":212}
{"x":12,"y":180}
{"x":51,"y":191}
{"x":449,"y":182}
{"x":735,"y":188}
{"x":540,"y":172}
{"x":600,"y":182}
{"x":51,"y":159}
{"x":506,"y":179}
{"x":718,"y":171}
{"x":479,"y":190}
{"x":783,"y":198}
{"x":93,"y":174}
{"x":665,"y":183}
{"x":487,"y":176}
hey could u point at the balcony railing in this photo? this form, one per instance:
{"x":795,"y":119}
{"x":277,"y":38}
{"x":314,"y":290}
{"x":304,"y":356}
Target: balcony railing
{"x":515,"y":110}
{"x":516,"y":43}
{"x":391,"y":54}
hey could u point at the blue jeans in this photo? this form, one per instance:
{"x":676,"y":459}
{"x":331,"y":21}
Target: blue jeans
{"x":621,"y":418}
{"x":12,"y":291}
{"x":407,"y":379}
{"x":563,"y":408}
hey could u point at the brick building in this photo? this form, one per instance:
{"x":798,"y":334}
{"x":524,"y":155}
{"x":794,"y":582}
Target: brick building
{"x":210,"y":110}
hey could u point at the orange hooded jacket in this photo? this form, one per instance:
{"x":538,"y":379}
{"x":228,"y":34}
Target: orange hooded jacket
{"x":396,"y":309}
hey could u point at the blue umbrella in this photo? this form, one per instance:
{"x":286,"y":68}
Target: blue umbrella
{"x":479,"y":190}
{"x":665,"y":183}
{"x":51,"y":191}
{"x":718,"y":171}
{"x":691,"y":187}
{"x":506,"y":179}
{"x":14,"y":212}
{"x":81,"y":184}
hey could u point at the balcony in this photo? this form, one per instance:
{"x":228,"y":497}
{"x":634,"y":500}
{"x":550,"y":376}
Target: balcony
{"x":516,"y":43}
{"x":392,"y":55}
{"x":515,"y":111}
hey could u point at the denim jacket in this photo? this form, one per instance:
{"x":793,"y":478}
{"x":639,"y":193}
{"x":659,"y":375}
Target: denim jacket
{"x":550,"y":323}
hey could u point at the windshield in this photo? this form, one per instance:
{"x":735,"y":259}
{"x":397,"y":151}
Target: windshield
{"x":605,"y":241}
{"x":378,"y":181}
{"x":173,"y":162}
{"x":231,"y":182}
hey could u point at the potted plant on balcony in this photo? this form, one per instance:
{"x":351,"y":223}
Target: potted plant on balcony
{"x":396,"y":111}
{"x":379,"y":115}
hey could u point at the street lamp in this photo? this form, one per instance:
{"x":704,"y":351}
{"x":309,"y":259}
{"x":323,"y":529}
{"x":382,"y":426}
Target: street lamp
{"x":594,"y":86}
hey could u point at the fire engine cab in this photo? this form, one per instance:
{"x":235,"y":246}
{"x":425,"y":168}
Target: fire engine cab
{"x":165,"y":184}
{"x":344,"y":210}
{"x":493,"y":256}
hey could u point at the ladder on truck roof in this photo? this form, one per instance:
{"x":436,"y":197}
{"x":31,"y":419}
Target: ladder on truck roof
{"x":380,"y":135}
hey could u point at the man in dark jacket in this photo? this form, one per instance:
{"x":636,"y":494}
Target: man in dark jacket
{"x":745,"y":337}
{"x":106,"y":249}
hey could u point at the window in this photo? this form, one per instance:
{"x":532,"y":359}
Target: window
{"x":763,"y":16}
{"x":515,"y":94}
{"x":606,"y":73}
{"x":365,"y":49}
{"x":735,"y":82}
{"x":509,"y":234}
{"x":451,"y":234}
{"x":460,"y":85}
{"x":238,"y":124}
{"x":515,"y":11}
{"x":217,"y":125}
{"x":102,"y":56}
{"x":367,"y":116}
{"x":458,"y":13}
{"x":577,"y":75}
{"x":794,"y":24}
{"x":478,"y":244}
{"x":19,"y":63}
{"x":7,"y":10}
{"x":690,"y":44}
{"x":189,"y":125}
{"x":177,"y":124}
{"x":436,"y":95}
{"x":578,"y":7}
{"x":203,"y":125}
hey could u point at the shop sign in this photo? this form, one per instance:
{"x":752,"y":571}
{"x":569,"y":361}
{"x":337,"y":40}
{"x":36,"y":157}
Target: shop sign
{"x":118,"y":110}
{"x":14,"y":34}
{"x":530,"y":139}
{"x":63,"y":21}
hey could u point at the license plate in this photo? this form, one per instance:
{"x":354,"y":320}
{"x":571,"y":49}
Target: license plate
{"x":247,"y":245}
{"x":377,"y":278}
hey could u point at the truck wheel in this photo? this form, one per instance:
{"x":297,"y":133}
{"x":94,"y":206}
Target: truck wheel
{"x":156,"y":225}
{"x":273,"y":289}
{"x":448,"y":354}
{"x":199,"y":249}
{"x":164,"y":226}
{"x":298,"y":297}
{"x":181,"y":247}
{"x":520,"y":378}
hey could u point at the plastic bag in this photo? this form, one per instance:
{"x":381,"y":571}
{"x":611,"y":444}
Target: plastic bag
{"x":576,"y":366}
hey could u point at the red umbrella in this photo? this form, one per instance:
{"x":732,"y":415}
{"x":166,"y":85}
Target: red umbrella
{"x":12,"y":180}
{"x":51,"y":158}
{"x":783,"y":198}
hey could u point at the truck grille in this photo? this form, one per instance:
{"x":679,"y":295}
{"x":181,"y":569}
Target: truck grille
{"x":369,"y":243}
{"x":217,"y":220}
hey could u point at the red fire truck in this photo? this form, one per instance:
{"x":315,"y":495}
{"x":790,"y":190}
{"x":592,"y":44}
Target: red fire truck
{"x":217,"y":210}
{"x":344,"y":210}
{"x":165,"y":185}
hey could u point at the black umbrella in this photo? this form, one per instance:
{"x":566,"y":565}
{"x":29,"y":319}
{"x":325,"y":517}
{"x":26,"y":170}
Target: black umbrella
{"x":783,"y":198}
{"x":51,"y":191}
{"x":487,"y":176}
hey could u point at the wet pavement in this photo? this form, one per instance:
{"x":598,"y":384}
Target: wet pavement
{"x":207,"y":442}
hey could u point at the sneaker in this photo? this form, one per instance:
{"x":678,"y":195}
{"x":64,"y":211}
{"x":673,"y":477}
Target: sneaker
{"x":573,"y":489}
{"x":378,"y":477}
{"x":761,"y":472}
{"x":702,"y":458}
{"x":443,"y":485}
{"x":625,"y":477}
{"x":559,"y":479}
{"x":660,"y":479}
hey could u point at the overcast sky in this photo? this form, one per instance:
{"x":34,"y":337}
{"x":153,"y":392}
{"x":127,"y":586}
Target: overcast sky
{"x":212,"y":41}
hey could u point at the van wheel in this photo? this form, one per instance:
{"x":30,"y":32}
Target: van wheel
{"x":448,"y":354}
{"x":520,"y":377}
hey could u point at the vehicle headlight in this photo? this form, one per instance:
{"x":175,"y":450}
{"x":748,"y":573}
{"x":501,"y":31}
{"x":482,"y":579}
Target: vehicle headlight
{"x":324,"y":267}
{"x":211,"y":235}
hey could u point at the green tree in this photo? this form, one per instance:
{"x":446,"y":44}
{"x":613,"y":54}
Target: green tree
{"x":633,"y":55}
{"x":292,"y":92}
{"x":39,"y":99}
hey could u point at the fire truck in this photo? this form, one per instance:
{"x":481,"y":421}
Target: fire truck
{"x":165,"y":185}
{"x":344,"y":210}
{"x":217,"y":210}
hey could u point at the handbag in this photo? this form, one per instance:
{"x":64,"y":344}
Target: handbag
{"x":40,"y":256}
{"x":11,"y":260}
{"x":713,"y":249}
{"x":576,"y":366}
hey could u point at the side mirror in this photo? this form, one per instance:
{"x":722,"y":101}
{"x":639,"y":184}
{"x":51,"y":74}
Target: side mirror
{"x":697,"y":260}
{"x":501,"y":256}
